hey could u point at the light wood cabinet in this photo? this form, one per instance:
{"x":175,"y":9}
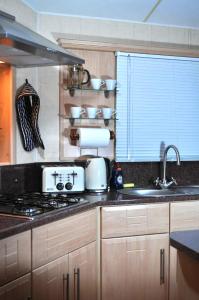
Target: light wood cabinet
{"x":51,"y":281}
{"x":61,"y":237}
{"x":15,"y":256}
{"x":135,"y":249}
{"x":65,"y":252}
{"x":83,"y":273}
{"x":135,"y":268}
{"x":72,"y":276}
{"x":19,"y":289}
{"x":130,"y":220}
{"x":184,"y":215}
{"x":184,"y":270}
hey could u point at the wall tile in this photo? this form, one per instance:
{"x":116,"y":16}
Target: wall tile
{"x":194,"y":37}
{"x":178,"y":35}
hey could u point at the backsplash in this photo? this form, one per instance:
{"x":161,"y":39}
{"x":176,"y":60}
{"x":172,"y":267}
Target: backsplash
{"x":24,"y":178}
{"x":28,"y":177}
{"x":143,"y":174}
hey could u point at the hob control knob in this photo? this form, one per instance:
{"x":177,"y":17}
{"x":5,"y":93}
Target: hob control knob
{"x":68,"y":186}
{"x":60,"y":186}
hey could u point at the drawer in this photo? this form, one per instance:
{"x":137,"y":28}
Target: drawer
{"x":184,"y":215}
{"x":117,"y":221}
{"x":15,"y":256}
{"x":61,"y":237}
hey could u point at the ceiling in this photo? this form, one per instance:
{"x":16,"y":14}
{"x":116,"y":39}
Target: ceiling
{"x":165,"y":12}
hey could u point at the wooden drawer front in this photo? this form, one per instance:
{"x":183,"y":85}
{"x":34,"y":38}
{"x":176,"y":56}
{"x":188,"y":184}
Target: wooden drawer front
{"x":19,"y":289}
{"x":15,"y":256}
{"x":61,"y":237}
{"x":184,"y":215}
{"x":135,"y":220}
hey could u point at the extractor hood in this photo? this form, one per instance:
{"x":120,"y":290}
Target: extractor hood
{"x":22,"y":47}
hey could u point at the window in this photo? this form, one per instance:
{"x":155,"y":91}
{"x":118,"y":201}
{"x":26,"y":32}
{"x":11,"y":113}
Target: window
{"x":157,"y":105}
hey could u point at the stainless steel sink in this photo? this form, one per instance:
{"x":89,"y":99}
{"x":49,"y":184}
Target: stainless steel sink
{"x":187,"y":190}
{"x":176,"y":191}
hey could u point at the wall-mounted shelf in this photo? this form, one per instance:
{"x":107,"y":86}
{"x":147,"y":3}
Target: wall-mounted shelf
{"x":72,"y":120}
{"x":84,"y":89}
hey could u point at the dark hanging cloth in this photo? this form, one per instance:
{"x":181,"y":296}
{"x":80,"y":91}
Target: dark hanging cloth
{"x":27,"y":110}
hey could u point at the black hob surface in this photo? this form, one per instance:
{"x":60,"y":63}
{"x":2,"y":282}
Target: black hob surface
{"x":33,"y":204}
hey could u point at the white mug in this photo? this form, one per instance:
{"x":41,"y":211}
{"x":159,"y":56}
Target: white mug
{"x":76,"y":111}
{"x":92,"y":112}
{"x":108,"y":112}
{"x":110,"y":84}
{"x":96,"y":83}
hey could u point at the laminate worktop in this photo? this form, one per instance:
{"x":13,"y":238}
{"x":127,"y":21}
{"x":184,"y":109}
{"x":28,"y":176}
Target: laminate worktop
{"x":186,"y":241}
{"x":12,"y":225}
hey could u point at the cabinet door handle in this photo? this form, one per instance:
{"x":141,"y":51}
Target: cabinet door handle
{"x":66,"y":279}
{"x":77,"y":274}
{"x":162,"y":265}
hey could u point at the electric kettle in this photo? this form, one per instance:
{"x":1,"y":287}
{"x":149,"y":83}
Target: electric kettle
{"x":97,"y":174}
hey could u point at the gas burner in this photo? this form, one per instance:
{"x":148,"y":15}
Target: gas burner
{"x":74,"y":200}
{"x":33,"y":204}
{"x":27,"y":211}
{"x":53,"y":203}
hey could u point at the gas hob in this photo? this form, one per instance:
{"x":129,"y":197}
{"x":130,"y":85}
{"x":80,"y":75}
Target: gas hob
{"x":31,"y":205}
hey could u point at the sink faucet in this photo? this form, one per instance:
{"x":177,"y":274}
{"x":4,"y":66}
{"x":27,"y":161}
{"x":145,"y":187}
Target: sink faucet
{"x":163,"y":183}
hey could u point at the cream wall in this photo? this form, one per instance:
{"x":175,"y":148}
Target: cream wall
{"x":46,"y":79}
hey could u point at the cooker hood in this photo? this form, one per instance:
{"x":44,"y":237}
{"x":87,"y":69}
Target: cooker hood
{"x":22,"y":47}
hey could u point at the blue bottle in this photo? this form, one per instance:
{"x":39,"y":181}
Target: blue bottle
{"x":117,"y":177}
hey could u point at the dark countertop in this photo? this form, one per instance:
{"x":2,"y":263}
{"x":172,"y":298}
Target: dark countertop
{"x":12,"y":225}
{"x":186,"y":241}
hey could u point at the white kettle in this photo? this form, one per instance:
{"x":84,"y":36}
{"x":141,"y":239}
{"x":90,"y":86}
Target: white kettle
{"x":97,"y":174}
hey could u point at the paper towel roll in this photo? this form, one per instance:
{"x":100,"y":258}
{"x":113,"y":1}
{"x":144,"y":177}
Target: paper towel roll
{"x":93,"y":137}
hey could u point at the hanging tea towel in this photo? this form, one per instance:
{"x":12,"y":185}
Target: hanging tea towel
{"x":27,"y":110}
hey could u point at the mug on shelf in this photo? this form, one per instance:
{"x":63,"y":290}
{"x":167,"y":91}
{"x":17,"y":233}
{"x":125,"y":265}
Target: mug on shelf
{"x":110,"y":84}
{"x":107,"y":112}
{"x":92,"y":112}
{"x":76,"y":111}
{"x":96,"y":83}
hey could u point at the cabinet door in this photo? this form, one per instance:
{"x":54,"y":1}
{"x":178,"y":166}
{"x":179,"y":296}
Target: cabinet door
{"x":184,"y":274}
{"x":135,"y":268}
{"x":184,"y":271}
{"x":15,"y":257}
{"x":19,"y":289}
{"x":83,"y":276}
{"x":50,"y":282}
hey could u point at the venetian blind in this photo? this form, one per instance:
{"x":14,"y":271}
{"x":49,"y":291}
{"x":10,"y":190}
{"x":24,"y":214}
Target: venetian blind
{"x":157,"y":104}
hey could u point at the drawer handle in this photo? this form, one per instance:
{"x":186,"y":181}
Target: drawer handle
{"x":162,"y":265}
{"x":77,"y":274}
{"x":66,"y":279}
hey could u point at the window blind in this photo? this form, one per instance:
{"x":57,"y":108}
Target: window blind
{"x":157,"y":104}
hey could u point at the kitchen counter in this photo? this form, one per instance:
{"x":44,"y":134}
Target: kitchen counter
{"x":186,"y":241}
{"x":12,"y":225}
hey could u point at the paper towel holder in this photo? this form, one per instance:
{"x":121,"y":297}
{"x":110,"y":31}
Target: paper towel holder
{"x":74,"y":136}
